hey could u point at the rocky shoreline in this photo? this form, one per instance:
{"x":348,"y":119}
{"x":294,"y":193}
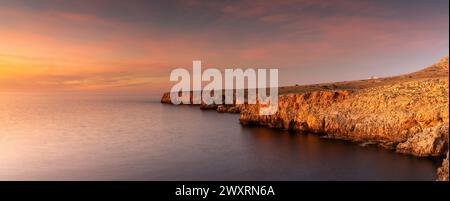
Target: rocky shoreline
{"x":407,"y":113}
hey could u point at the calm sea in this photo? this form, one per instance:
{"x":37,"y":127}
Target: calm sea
{"x":68,"y":137}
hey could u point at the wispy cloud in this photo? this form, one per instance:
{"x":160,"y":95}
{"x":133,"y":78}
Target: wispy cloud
{"x":58,"y":45}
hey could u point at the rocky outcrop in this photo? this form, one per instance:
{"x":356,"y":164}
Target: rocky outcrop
{"x":166,"y":98}
{"x":221,"y":108}
{"x":388,"y":115}
{"x":229,"y":108}
{"x":431,"y":141}
{"x":407,"y":113}
{"x":442,"y":173}
{"x":187,"y":96}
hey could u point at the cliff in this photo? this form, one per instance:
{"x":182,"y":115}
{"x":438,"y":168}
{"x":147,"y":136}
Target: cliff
{"x":442,"y":172}
{"x":407,"y":113}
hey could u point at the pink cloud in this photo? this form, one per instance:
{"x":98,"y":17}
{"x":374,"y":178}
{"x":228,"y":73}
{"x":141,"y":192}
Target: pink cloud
{"x":79,"y":18}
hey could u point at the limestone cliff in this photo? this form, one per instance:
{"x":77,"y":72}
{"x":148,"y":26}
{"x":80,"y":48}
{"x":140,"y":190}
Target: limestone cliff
{"x":442,"y":174}
{"x":407,"y":113}
{"x":388,"y":114}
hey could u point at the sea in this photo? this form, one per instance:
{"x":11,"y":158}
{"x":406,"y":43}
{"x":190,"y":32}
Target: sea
{"x":135,"y":137}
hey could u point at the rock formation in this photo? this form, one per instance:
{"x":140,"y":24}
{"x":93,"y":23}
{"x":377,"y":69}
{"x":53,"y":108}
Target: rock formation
{"x":221,"y":108}
{"x":166,"y":98}
{"x":407,"y":113}
{"x":442,"y":173}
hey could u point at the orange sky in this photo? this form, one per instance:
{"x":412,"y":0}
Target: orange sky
{"x":131,"y":46}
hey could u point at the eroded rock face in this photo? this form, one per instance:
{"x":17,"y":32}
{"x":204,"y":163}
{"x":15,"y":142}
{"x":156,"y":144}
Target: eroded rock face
{"x":431,"y":141}
{"x":407,"y":113}
{"x":229,"y":108}
{"x":208,"y":107}
{"x":387,"y":114}
{"x":221,"y":108}
{"x":442,"y":173}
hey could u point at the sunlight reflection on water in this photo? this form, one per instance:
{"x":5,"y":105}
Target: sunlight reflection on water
{"x":129,"y":138}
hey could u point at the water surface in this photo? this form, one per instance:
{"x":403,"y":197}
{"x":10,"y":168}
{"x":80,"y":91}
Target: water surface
{"x":64,"y":137}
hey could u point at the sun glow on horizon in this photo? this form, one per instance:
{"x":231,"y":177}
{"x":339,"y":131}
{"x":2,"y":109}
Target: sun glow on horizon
{"x":84,"y":45}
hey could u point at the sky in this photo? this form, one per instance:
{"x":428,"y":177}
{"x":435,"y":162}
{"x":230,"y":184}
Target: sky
{"x":132,"y":46}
